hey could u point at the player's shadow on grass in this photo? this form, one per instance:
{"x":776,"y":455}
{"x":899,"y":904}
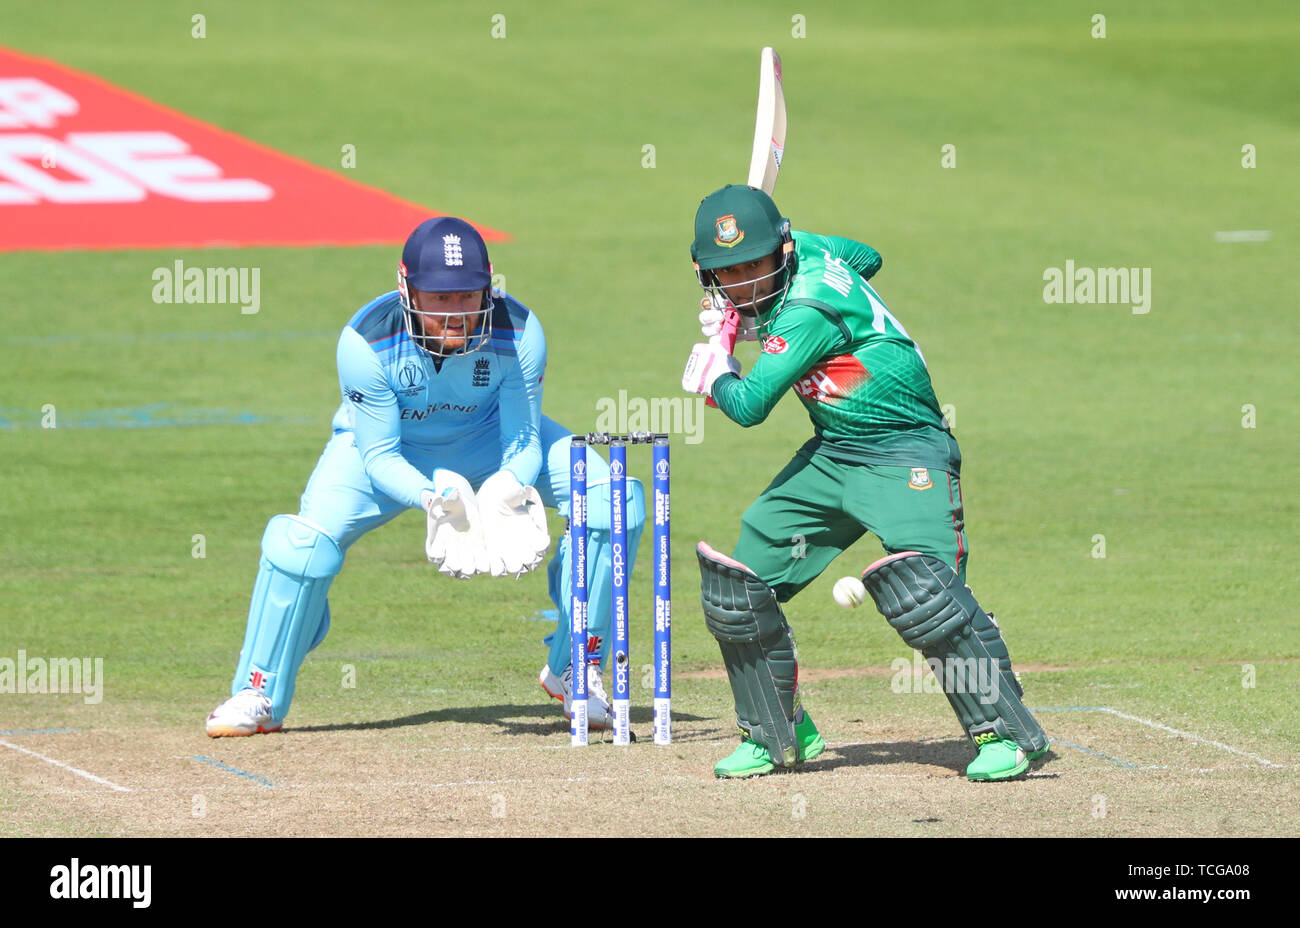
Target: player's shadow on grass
{"x":511,"y":720}
{"x":951,"y":753}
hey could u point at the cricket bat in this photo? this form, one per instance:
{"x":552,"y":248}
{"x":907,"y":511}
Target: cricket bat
{"x":764,"y":160}
{"x":764,"y":165}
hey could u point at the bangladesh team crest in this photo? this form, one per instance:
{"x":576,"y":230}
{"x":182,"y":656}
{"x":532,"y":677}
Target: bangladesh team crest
{"x":920,"y":479}
{"x":729,"y":234}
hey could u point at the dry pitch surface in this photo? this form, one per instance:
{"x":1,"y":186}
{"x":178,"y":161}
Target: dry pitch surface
{"x":1110,"y":773}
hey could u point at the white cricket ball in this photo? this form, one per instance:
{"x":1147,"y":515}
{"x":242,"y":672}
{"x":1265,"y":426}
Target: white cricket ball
{"x":849,"y":592}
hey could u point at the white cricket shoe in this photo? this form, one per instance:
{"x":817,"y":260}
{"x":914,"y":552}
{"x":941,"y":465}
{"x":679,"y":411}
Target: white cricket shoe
{"x":561,"y":687}
{"x":248,"y":712}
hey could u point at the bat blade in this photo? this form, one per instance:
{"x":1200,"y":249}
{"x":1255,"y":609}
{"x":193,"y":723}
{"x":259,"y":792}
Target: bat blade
{"x":769,"y":126}
{"x":764,"y":161}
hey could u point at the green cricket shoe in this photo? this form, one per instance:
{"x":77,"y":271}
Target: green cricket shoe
{"x":998,"y":758}
{"x":752,"y":760}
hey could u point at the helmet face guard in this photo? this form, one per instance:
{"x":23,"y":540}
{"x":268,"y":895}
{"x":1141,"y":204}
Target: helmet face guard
{"x":762,"y":308}
{"x":445,"y":255}
{"x":436,"y":345}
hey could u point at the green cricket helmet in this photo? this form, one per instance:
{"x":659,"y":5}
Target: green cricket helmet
{"x":735,"y":225}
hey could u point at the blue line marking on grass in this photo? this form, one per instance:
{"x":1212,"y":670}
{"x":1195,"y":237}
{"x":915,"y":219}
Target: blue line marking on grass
{"x":1113,"y":760}
{"x":216,"y":763}
{"x":148,"y":416}
{"x":132,"y":337}
{"x":36,"y":731}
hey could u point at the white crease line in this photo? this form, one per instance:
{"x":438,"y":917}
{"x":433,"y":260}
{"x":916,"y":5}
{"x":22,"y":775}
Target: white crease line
{"x":702,"y":780}
{"x":59,"y":763}
{"x":1243,"y":235}
{"x":426,"y":785}
{"x":1188,"y":734}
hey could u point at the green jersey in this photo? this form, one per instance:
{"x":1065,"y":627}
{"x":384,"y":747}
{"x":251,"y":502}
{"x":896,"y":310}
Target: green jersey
{"x":858,"y":373}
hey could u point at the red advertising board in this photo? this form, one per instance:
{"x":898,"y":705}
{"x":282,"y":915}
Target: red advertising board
{"x":84,"y":164}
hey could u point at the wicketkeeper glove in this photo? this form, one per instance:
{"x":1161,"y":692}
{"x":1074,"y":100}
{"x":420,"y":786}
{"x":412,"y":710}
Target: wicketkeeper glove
{"x":514,"y":525}
{"x":455,"y":538}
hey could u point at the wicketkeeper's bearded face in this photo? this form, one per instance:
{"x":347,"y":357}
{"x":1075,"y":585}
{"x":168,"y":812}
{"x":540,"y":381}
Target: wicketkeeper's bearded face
{"x":447,"y":320}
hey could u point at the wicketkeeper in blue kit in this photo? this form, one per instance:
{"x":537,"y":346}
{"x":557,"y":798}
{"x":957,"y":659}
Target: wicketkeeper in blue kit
{"x":441,"y":411}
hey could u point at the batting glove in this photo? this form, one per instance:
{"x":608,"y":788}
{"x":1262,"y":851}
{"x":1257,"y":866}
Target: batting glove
{"x":711,"y":312}
{"x":708,"y":361}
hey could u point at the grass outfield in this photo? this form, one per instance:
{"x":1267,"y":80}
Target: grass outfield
{"x":1074,"y":420}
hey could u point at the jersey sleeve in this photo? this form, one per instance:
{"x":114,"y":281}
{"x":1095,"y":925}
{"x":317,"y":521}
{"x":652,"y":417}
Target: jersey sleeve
{"x":799,"y":337}
{"x":862,"y":258}
{"x":521,"y":405}
{"x":376,"y":421}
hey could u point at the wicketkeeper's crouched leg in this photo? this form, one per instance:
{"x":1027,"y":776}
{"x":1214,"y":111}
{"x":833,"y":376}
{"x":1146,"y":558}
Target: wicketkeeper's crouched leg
{"x":553,"y":485}
{"x":289,"y":613}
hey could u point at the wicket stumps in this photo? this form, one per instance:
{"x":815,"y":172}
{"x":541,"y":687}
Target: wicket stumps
{"x":658,"y":504}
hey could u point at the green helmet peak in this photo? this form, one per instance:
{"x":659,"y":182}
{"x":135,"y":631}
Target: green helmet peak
{"x":737,"y":224}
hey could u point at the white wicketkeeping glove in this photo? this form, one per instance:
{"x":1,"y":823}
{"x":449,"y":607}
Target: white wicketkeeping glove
{"x":708,"y":361}
{"x":455,"y":539}
{"x":514,"y":525}
{"x":711,"y":313}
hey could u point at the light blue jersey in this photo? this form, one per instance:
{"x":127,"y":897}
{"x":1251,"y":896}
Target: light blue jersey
{"x":402,"y":404}
{"x":405,"y":413}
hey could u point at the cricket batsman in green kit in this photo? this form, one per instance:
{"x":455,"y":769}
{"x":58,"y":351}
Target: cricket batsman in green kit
{"x":881,"y":459}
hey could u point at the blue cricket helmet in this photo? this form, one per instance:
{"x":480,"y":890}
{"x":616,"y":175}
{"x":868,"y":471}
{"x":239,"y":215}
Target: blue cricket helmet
{"x":445,"y":255}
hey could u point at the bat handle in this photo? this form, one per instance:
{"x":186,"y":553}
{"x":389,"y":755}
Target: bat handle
{"x":730,"y":328}
{"x":727,"y":338}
